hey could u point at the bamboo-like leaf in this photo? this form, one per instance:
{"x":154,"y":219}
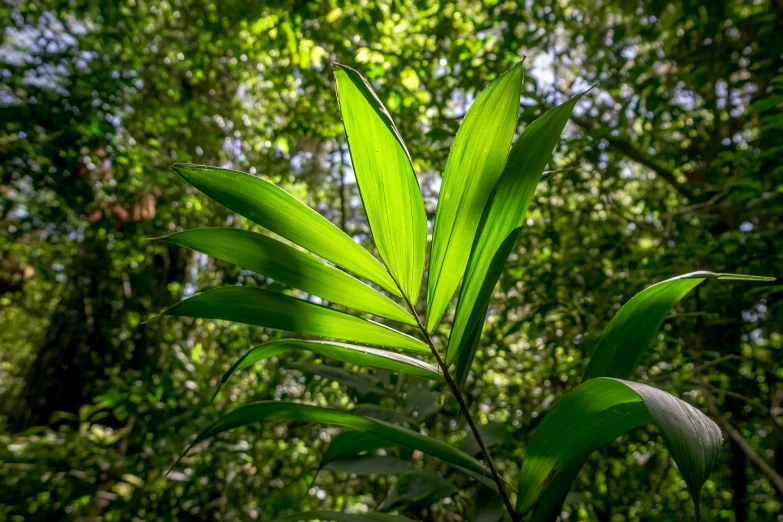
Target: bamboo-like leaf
{"x":387,"y":183}
{"x":274,"y":310}
{"x":370,"y":465}
{"x":349,"y":444}
{"x":633,"y":328}
{"x":474,"y":165}
{"x":278,"y":211}
{"x":417,"y":489}
{"x":597,"y":412}
{"x":337,"y":516}
{"x":281,"y":411}
{"x":505,"y":215}
{"x":349,"y":353}
{"x":290,"y":266}
{"x":361,"y":382}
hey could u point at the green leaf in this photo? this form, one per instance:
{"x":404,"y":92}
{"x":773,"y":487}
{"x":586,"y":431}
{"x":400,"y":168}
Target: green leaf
{"x":283,"y":312}
{"x":352,"y":443}
{"x":636,"y":324}
{"x":278,"y":211}
{"x":370,"y":465}
{"x":290,"y":266}
{"x":418,"y":489}
{"x":383,"y":413}
{"x":487,"y":506}
{"x":342,"y":517}
{"x":363,"y":383}
{"x":505,"y":215}
{"x":349,"y":444}
{"x":597,"y":412}
{"x":493,"y":434}
{"x":281,"y":411}
{"x":475,"y":162}
{"x":387,"y":183}
{"x":348,"y":353}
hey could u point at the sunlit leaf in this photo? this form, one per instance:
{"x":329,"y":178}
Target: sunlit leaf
{"x":281,"y":411}
{"x":387,"y":182}
{"x":474,"y":165}
{"x":505,"y":215}
{"x":274,"y":310}
{"x":278,"y":211}
{"x":597,"y":412}
{"x":633,"y":328}
{"x":290,"y":266}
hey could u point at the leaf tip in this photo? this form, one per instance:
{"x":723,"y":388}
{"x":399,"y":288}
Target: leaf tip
{"x":153,"y":318}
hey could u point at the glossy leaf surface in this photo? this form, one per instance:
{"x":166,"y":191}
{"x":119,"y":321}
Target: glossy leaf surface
{"x":275,"y":310}
{"x":474,"y":165}
{"x":387,"y":183}
{"x":597,"y":412}
{"x":278,"y":211}
{"x":288,"y":265}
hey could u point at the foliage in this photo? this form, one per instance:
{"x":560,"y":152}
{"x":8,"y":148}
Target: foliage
{"x":669,"y":165}
{"x":592,"y":415}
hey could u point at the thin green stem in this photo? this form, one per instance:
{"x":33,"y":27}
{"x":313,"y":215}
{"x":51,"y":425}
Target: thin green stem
{"x":468,"y":418}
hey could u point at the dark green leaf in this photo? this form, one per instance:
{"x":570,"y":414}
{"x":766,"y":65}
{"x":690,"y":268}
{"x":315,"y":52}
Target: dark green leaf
{"x":370,"y":465}
{"x":350,"y":444}
{"x":597,"y":412}
{"x":349,"y":353}
{"x":342,"y":517}
{"x":280,"y":411}
{"x":418,"y":489}
{"x":633,"y":328}
{"x":362,"y":383}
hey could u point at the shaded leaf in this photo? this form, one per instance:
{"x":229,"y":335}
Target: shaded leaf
{"x":278,"y":211}
{"x":474,"y":164}
{"x":597,"y":412}
{"x":274,"y":310}
{"x":349,"y":353}
{"x":342,"y":517}
{"x":487,"y":506}
{"x":493,"y":434}
{"x":636,"y":324}
{"x":387,"y":183}
{"x":362,"y":383}
{"x":350,"y":444}
{"x":290,"y":266}
{"x":418,"y":489}
{"x":281,"y":411}
{"x":383,"y":413}
{"x":370,"y":465}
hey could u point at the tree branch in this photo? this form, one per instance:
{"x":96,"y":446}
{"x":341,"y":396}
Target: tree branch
{"x":641,"y":158}
{"x":773,"y":476}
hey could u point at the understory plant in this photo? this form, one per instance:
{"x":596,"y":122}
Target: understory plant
{"x":487,"y":186}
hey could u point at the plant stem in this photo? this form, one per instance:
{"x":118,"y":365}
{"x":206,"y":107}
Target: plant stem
{"x":468,"y":418}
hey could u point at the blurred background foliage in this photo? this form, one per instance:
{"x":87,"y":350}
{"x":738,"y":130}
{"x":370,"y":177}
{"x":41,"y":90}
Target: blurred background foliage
{"x":672,"y":163}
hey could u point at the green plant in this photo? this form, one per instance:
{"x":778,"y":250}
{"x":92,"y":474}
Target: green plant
{"x":487,"y":187}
